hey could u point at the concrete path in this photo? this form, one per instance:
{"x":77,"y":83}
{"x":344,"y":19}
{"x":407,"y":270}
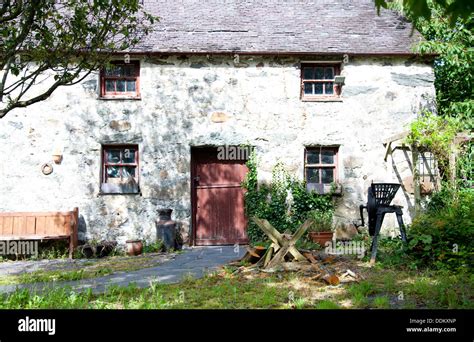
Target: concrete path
{"x":16,"y":268}
{"x":195,"y":261}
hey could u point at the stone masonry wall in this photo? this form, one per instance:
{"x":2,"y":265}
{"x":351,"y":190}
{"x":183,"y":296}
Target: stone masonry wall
{"x":196,"y":101}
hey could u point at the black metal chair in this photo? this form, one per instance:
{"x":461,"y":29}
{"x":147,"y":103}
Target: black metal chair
{"x":379,"y":197}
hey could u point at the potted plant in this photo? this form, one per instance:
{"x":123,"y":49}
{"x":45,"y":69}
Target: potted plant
{"x":134,"y":247}
{"x":321,"y":231}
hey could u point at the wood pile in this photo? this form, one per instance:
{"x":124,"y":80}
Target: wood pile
{"x":283,"y":256}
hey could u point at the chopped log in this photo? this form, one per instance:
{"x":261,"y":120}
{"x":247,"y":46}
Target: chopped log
{"x":295,"y":266}
{"x":261,"y":262}
{"x":252,"y":255}
{"x":246,"y":258}
{"x":278,"y":258}
{"x":257,"y":251}
{"x":329,"y":259}
{"x":350,"y":273}
{"x":310,"y":257}
{"x":331,"y":279}
{"x":348,"y":276}
{"x":268,"y":256}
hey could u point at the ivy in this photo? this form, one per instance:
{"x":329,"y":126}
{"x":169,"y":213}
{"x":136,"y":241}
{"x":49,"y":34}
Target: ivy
{"x":285,"y":202}
{"x":435,"y":134}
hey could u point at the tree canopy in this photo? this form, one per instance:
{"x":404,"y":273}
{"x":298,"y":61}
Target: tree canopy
{"x":453,"y":67}
{"x":453,"y":9}
{"x":453,"y":41}
{"x":46,"y":44}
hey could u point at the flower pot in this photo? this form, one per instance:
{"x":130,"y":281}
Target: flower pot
{"x":321,"y":237}
{"x":134,"y":247}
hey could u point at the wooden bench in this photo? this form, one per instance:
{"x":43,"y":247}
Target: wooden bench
{"x":40,"y":226}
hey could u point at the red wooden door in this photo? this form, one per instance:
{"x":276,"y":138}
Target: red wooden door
{"x":218,"y":199}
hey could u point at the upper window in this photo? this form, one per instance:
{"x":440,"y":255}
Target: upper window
{"x":317,"y":81}
{"x":119,"y":169}
{"x":120,"y":79}
{"x":320,"y":167}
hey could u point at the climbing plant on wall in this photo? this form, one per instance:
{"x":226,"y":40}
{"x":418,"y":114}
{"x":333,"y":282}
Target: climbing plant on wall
{"x":284,"y":202}
{"x":435,"y":134}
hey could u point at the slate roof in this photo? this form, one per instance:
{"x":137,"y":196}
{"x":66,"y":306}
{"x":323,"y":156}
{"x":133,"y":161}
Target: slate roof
{"x":277,"y":26}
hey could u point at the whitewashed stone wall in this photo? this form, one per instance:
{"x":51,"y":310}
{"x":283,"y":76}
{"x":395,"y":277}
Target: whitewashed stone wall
{"x":194,"y":101}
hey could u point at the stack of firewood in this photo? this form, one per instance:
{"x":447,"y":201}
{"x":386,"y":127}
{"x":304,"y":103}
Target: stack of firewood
{"x":282,"y":255}
{"x":317,"y":266}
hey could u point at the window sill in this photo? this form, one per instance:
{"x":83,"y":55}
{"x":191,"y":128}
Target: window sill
{"x":119,"y":193}
{"x":325,"y":189}
{"x":322,"y":99}
{"x":118,"y":97}
{"x":119,"y":189}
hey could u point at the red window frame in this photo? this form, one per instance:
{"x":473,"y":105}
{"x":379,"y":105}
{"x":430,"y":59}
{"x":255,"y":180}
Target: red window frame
{"x":336,"y":89}
{"x":120,"y":94}
{"x":321,"y":165}
{"x":121,"y":148}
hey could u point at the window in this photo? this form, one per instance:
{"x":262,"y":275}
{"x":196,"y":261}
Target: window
{"x":119,"y":169}
{"x":317,"y":81}
{"x":120,"y":80}
{"x":427,"y":166}
{"x":320,"y":167}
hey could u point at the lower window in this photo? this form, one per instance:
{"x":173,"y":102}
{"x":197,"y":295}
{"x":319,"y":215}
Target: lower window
{"x":321,"y":168}
{"x":119,"y":169}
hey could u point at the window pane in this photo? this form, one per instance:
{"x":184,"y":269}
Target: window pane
{"x":129,"y":70}
{"x":319,"y":72}
{"x":128,"y":172}
{"x":318,"y":88}
{"x":113,"y":172}
{"x":109,"y":71}
{"x":308,"y":88}
{"x":128,"y":155}
{"x":328,"y":88}
{"x":308,"y":73}
{"x":109,"y":85}
{"x":312,"y":157}
{"x":327,"y":157}
{"x":130,"y":85}
{"x":328,"y":73}
{"x":115,"y":70}
{"x":312,"y":175}
{"x":113,"y":156}
{"x":120,"y":85}
{"x":327,"y":176}
{"x":119,"y":70}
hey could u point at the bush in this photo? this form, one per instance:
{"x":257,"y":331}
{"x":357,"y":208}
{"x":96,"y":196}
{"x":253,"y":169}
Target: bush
{"x":444,"y":235}
{"x":285,"y":202}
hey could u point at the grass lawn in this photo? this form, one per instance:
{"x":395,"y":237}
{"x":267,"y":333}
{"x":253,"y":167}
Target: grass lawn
{"x":380,"y":288}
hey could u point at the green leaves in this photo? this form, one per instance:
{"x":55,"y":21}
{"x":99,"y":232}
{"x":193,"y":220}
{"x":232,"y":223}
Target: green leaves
{"x":454,"y":74}
{"x":454,"y":9}
{"x":270,"y":201}
{"x":63,"y":35}
{"x":436,"y":134}
{"x":444,"y":235}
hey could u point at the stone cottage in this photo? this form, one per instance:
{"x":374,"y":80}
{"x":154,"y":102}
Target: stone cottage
{"x":317,"y":85}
